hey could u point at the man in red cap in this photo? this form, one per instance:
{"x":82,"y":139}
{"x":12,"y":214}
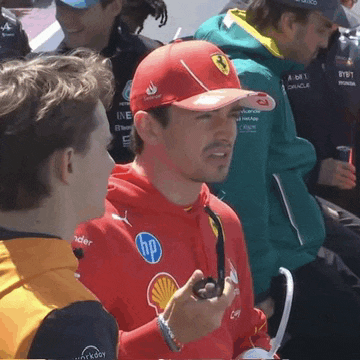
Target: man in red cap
{"x":152,"y":259}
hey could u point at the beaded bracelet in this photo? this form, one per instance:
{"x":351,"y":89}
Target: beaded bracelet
{"x":174,"y":345}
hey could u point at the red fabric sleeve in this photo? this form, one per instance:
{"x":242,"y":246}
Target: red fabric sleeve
{"x":253,"y":332}
{"x":145,"y":342}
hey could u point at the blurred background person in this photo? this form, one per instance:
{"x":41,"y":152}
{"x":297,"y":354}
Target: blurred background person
{"x":325,"y":99}
{"x":135,"y":12}
{"x":100,"y":27}
{"x":14,"y":42}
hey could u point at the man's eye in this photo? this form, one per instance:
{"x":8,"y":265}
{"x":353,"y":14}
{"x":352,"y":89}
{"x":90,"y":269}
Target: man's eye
{"x":235,"y":115}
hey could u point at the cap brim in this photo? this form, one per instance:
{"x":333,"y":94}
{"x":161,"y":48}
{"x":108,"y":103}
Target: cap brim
{"x":344,"y":17}
{"x":80,"y":4}
{"x":216,"y":99}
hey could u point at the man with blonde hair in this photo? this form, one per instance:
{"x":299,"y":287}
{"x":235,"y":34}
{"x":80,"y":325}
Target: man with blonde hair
{"x":54,"y":136}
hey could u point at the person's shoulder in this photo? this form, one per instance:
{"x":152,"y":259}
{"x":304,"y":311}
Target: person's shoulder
{"x":121,"y":37}
{"x":209,"y":27}
{"x":40,"y":295}
{"x":255,"y":76}
{"x":103,"y":232}
{"x":223,"y":210}
{"x":83,"y":328}
{"x":150,"y":44}
{"x":254,"y":68}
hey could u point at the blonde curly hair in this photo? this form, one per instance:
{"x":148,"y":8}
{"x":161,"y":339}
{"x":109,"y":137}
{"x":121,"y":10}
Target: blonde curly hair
{"x":46,"y":104}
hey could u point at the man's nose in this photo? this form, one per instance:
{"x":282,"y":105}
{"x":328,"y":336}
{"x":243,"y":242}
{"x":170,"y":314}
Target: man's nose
{"x":225,"y":127}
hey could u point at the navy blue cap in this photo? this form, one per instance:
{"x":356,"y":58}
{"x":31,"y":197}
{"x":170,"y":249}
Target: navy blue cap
{"x":80,"y":4}
{"x":331,"y":9}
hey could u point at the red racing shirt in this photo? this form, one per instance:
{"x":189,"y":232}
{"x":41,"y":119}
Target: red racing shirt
{"x":144,"y":248}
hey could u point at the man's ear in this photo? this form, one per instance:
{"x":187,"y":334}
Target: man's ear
{"x":63,"y":164}
{"x":148,"y":128}
{"x":288,"y":25}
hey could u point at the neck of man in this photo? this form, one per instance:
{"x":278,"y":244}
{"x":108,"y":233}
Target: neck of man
{"x":167,"y":180}
{"x":50,"y":219}
{"x":276,"y":36}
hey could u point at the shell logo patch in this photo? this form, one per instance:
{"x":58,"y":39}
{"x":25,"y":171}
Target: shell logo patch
{"x":160,"y":290}
{"x":222,"y":63}
{"x":149,"y":247}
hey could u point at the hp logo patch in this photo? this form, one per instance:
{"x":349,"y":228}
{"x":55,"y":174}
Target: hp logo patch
{"x":149,"y":247}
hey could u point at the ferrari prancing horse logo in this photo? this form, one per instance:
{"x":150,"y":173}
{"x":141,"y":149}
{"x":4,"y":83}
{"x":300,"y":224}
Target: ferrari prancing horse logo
{"x":222,"y":63}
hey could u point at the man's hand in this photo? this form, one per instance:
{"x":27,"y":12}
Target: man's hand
{"x":191,"y":318}
{"x":337,"y":173}
{"x":267,"y":307}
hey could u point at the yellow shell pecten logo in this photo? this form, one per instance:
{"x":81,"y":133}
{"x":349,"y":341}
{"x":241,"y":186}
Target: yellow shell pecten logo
{"x":160,"y":290}
{"x":213,"y":227}
{"x":222,"y":63}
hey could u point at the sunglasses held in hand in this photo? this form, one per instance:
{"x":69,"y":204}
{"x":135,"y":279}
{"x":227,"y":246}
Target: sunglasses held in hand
{"x":209,"y":287}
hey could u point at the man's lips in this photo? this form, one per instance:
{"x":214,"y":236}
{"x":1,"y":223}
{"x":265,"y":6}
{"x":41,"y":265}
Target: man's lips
{"x":73,"y":31}
{"x":218,"y":151}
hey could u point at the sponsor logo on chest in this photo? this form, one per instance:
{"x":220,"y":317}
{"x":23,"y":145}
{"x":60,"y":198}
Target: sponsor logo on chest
{"x":160,"y":290}
{"x":149,"y":247}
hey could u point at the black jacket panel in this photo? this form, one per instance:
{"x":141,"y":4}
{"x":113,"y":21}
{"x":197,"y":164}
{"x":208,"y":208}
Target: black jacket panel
{"x":325,"y":102}
{"x":14,"y":42}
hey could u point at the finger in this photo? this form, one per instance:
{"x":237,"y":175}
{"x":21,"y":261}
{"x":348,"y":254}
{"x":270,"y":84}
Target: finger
{"x":187,"y":289}
{"x":184,"y":293}
{"x":345,"y":183}
{"x":349,"y":167}
{"x":346,"y":186}
{"x":346,"y":168}
{"x":207,"y":292}
{"x":228,"y":294}
{"x":346,"y":175}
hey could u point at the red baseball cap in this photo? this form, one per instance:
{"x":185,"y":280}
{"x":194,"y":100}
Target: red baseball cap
{"x":194,"y":75}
